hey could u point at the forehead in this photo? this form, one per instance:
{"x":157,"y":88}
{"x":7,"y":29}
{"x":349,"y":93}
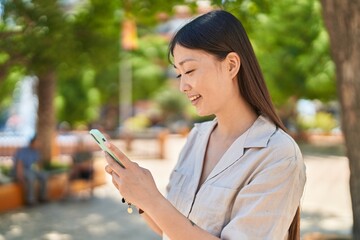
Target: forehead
{"x":184,"y":55}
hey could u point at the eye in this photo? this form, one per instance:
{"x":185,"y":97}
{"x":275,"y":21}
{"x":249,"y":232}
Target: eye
{"x":186,"y":73}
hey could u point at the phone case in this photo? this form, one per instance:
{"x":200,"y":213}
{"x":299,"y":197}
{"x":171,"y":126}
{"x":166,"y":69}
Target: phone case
{"x":101,"y":141}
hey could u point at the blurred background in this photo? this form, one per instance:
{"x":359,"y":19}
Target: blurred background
{"x":67,"y":66}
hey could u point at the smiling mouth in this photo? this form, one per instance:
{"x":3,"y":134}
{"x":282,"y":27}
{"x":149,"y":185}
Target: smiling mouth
{"x":194,"y":98}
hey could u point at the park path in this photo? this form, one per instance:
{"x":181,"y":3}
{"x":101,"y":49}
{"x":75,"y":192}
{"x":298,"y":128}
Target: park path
{"x":326,"y":206}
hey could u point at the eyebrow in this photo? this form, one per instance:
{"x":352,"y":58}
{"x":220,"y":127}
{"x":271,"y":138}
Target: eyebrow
{"x":184,"y":61}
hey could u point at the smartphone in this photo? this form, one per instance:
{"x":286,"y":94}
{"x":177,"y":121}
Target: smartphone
{"x":101,"y":141}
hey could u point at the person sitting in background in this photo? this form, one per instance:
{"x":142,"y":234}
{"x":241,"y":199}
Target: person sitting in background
{"x":28,"y":173}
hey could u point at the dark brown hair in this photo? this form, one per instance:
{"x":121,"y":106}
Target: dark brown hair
{"x":220,"y":33}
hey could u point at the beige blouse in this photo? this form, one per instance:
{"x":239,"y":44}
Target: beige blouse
{"x":254,"y":190}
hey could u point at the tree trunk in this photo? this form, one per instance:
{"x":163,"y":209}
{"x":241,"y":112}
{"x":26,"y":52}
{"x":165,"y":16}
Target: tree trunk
{"x":46,"y":114}
{"x":342,"y":20}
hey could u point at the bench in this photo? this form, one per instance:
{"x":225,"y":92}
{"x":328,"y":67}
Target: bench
{"x":12,"y":196}
{"x":160,"y":135}
{"x":59,"y":186}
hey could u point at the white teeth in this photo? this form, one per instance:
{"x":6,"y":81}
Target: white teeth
{"x":194,"y":97}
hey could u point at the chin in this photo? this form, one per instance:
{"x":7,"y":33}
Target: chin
{"x":203,"y":114}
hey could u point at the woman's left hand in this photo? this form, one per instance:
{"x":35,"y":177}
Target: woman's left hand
{"x":135,"y":184}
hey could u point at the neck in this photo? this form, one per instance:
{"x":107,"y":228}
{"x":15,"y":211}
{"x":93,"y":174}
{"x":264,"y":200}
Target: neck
{"x":234,"y":120}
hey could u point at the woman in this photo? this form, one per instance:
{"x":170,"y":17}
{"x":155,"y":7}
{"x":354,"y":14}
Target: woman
{"x":239,"y":176}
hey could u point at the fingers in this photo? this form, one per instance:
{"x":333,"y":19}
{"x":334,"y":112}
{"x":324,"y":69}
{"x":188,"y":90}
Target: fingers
{"x":113,"y":165}
{"x":123,"y":158}
{"x":114,"y":177}
{"x":116,"y":180}
{"x":108,"y":169}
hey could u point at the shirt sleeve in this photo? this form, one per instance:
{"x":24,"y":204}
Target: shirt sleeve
{"x":265,"y":207}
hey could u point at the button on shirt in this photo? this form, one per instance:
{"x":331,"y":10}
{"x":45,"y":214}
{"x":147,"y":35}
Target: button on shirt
{"x":253,"y":191}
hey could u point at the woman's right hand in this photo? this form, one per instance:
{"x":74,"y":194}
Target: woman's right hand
{"x":135,"y":184}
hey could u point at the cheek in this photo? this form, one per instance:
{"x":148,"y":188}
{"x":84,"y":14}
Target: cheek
{"x":216,"y":84}
{"x":209,"y":81}
{"x":214,"y":92}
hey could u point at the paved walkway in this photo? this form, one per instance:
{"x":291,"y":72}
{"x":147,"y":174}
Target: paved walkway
{"x":325,"y":205}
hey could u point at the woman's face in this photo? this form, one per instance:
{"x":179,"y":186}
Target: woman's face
{"x":202,"y":78}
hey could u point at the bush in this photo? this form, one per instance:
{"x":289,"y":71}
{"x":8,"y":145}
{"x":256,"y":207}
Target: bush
{"x":172,"y":104}
{"x":322,"y":121}
{"x":325,"y":121}
{"x":55,"y":166}
{"x":137,"y":123}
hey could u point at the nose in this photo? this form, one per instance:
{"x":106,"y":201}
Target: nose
{"x":184,"y":86}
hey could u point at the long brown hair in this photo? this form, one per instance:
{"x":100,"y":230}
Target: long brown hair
{"x":219,"y":33}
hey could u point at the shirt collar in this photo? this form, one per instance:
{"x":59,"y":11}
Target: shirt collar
{"x":260,"y":132}
{"x":205,"y":127}
{"x":258,"y":135}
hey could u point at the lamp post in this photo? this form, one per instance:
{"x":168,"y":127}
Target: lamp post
{"x":128,"y":43}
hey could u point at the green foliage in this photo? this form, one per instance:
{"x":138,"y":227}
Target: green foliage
{"x":38,"y":26}
{"x":83,"y":89}
{"x":80,"y":43}
{"x":305,"y":123}
{"x":248,"y":11}
{"x":172,"y":104}
{"x":293,"y":50}
{"x":96,"y":28}
{"x":145,"y":11}
{"x":137,"y":123}
{"x":8,"y":85}
{"x":325,"y":121}
{"x":87,"y":99}
{"x":56,"y":167}
{"x":6,"y":89}
{"x":149,"y":62}
{"x":322,"y":121}
{"x":6,"y":170}
{"x":82,"y":46}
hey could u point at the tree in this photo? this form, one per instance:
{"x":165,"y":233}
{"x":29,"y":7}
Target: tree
{"x":27,"y":42}
{"x":293,"y":50}
{"x":342,"y":19}
{"x":149,"y":63}
{"x":293,"y":55}
{"x":92,"y":81}
{"x":72,"y":49}
{"x":48,"y":39}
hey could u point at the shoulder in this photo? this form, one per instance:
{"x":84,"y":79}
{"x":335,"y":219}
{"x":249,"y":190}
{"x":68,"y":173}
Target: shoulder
{"x":281,"y":143}
{"x":264,"y":134}
{"x":284,"y":157}
{"x":271,"y":147}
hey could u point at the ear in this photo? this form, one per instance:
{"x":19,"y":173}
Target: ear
{"x":233,"y":64}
